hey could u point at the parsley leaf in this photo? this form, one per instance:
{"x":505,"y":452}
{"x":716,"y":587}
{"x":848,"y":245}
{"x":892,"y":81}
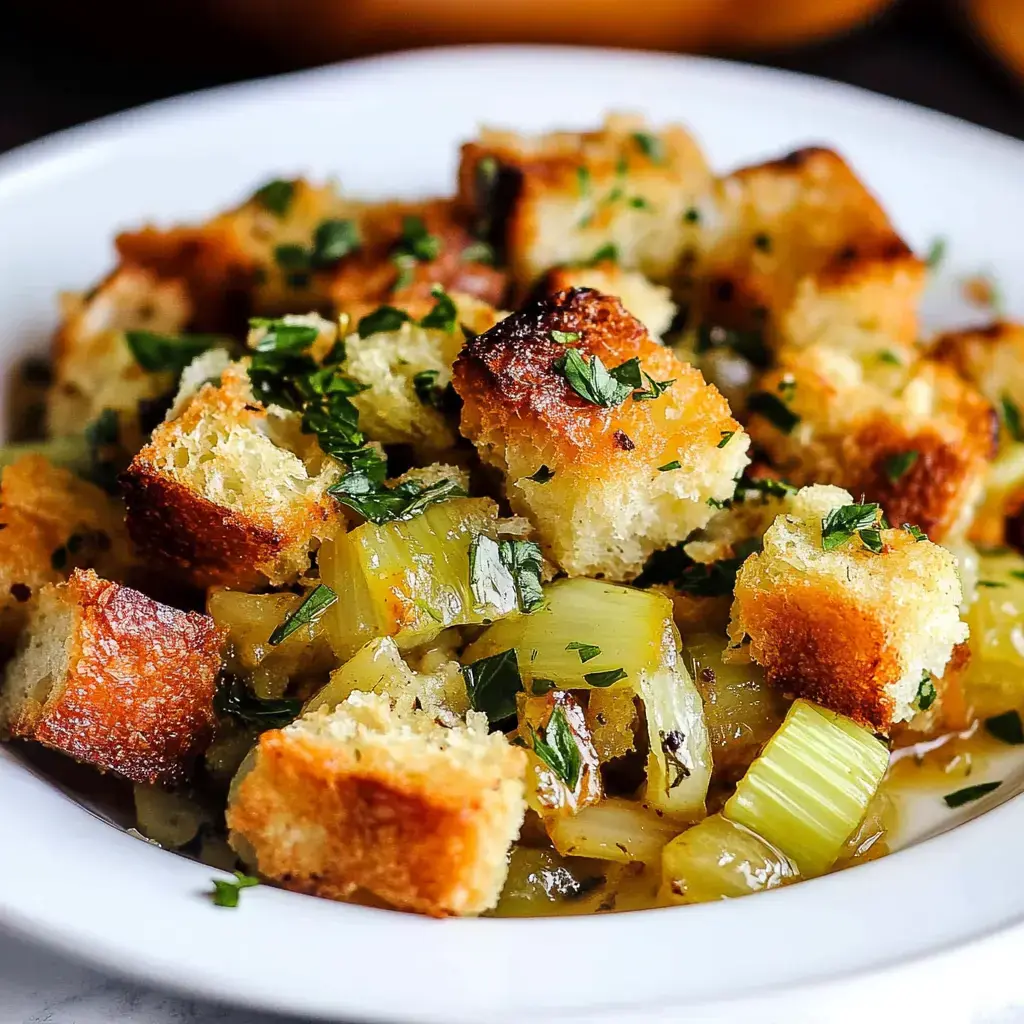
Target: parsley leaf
{"x":669,"y":466}
{"x":872,"y":540}
{"x":1006,"y":727}
{"x":990,"y":584}
{"x":333,"y":240}
{"x":225,"y":893}
{"x":234,"y":698}
{"x":564,"y":337}
{"x":773,"y":409}
{"x":416,"y":241}
{"x":444,"y":314}
{"x":162,"y":352}
{"x":651,"y":146}
{"x":1012,"y":418}
{"x":655,"y":388}
{"x":843,"y":522}
{"x":492,"y":684}
{"x":506,"y":574}
{"x":587,"y":652}
{"x":364,"y":492}
{"x":888,"y":357}
{"x":748,"y":344}
{"x":926,"y":693}
{"x":970,"y":794}
{"x":594,"y":383}
{"x":896,"y":466}
{"x":276,"y":196}
{"x":478,"y":252}
{"x":542,"y":476}
{"x":382,"y":319}
{"x":915,"y":531}
{"x":936,"y":253}
{"x":607,"y":253}
{"x":317,"y":601}
{"x":727,"y":436}
{"x":558,"y":749}
{"x":603,"y":679}
{"x":538,"y":687}
{"x":428,"y":391}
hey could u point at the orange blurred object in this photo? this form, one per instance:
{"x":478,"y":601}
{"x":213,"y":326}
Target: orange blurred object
{"x":1000,"y":26}
{"x":325,"y":29}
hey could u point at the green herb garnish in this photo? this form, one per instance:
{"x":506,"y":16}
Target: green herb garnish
{"x":773,"y":409}
{"x":872,"y":540}
{"x":843,"y":522}
{"x":749,"y":344}
{"x":558,"y":749}
{"x":727,"y":436}
{"x":492,"y":684}
{"x":542,"y":476}
{"x":669,"y":466}
{"x":990,"y":584}
{"x":970,"y":793}
{"x":478,"y":252}
{"x":587,"y":652}
{"x":602,"y":679}
{"x":444,"y":314}
{"x":607,"y":253}
{"x":225,"y":893}
{"x":762,"y":242}
{"x":654,"y":389}
{"x":1012,"y":418}
{"x":428,"y":391}
{"x":317,"y":601}
{"x":381,"y":320}
{"x":915,"y":531}
{"x":234,"y":698}
{"x":276,"y":196}
{"x":896,"y":466}
{"x":158,"y":353}
{"x":332,"y":241}
{"x":885,"y":356}
{"x":506,"y":574}
{"x":598,"y":385}
{"x":936,"y":253}
{"x":1006,"y":727}
{"x":651,"y":146}
{"x":416,"y":241}
{"x":926,"y":693}
{"x":365,"y":493}
{"x":564,"y":337}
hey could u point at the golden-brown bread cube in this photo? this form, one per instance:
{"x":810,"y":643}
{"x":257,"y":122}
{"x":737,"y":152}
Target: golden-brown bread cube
{"x":385,"y":800}
{"x":51,"y":522}
{"x":604,"y":486}
{"x":110,"y":677}
{"x":93,"y":367}
{"x":650,"y":303}
{"x":803,"y":251}
{"x":916,"y":438}
{"x":850,"y":628}
{"x":561,"y":198}
{"x":214,"y":497}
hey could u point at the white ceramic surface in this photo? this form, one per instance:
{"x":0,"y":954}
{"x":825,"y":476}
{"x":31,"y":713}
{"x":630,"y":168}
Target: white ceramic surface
{"x":390,"y":126}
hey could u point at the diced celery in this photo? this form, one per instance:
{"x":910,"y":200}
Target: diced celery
{"x":625,"y":628}
{"x":720,"y":859}
{"x":541,"y":882}
{"x":741,"y":710}
{"x":250,"y":619}
{"x":615,"y":829}
{"x":811,"y":786}
{"x":406,"y":579}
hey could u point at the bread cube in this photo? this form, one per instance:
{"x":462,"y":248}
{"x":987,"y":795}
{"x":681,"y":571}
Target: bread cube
{"x":650,"y":303}
{"x":215,"y":498}
{"x":114,"y":679}
{"x":562,"y":198}
{"x":916,"y":438}
{"x":804,"y":252}
{"x":605,"y":486}
{"x":851,"y":628}
{"x":51,"y":522}
{"x":385,"y":800}
{"x":93,"y":367}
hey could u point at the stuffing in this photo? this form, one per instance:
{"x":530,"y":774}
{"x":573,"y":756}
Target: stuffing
{"x":650,"y":303}
{"x":384,"y":800}
{"x":917,"y":439}
{"x":114,"y":679}
{"x":626,"y":189}
{"x":93,"y":367}
{"x":50,"y":523}
{"x":853,"y":629}
{"x":804,"y":252}
{"x":605,"y":485}
{"x":214,"y":497}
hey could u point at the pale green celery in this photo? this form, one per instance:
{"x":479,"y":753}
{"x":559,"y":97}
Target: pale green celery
{"x":626,"y":625}
{"x":720,"y":859}
{"x":615,"y":829}
{"x":70,"y":452}
{"x":376,"y":668}
{"x":741,"y":710}
{"x":408,"y":580}
{"x":811,"y":786}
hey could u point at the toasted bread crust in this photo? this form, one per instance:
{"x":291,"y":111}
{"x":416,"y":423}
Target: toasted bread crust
{"x":137,"y":697}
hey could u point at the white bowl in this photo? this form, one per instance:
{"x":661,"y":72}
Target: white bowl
{"x":391,"y":126}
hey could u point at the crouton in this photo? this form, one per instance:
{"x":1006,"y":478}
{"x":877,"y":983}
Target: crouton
{"x":627,"y":190}
{"x":52,"y":522}
{"x":803,"y":251}
{"x":917,"y":439}
{"x":650,"y":303}
{"x":604,"y":486}
{"x":110,"y":677}
{"x":854,"y":629}
{"x":214,"y":497}
{"x":93,"y":367}
{"x":373,"y":798}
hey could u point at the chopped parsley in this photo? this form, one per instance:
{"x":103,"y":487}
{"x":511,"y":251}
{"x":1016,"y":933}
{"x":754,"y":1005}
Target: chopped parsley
{"x":1012,"y":418}
{"x":603,"y":679}
{"x":766,"y":486}
{"x":843,"y":522}
{"x":587,"y":652}
{"x":990,"y":584}
{"x":583,"y":180}
{"x":235,"y":699}
{"x":926,"y":693}
{"x":915,"y":531}
{"x":888,"y":357}
{"x":542,"y":476}
{"x":478,"y":252}
{"x":558,"y":749}
{"x":365,"y":492}
{"x":970,"y":794}
{"x":727,"y":436}
{"x":596,"y":384}
{"x":276,"y":196}
{"x":101,"y":437}
{"x":669,"y":466}
{"x":896,"y":466}
{"x":607,"y":253}
{"x":506,"y":574}
{"x":872,"y":540}
{"x":492,"y":684}
{"x":692,"y":216}
{"x":773,"y":409}
{"x":762,"y":242}
{"x":749,"y":344}
{"x":1006,"y":727}
{"x":539,"y":687}
{"x":333,"y":240}
{"x":639,"y":203}
{"x":654,"y":389}
{"x":428,"y":391}
{"x":226,"y":893}
{"x":317,"y":601}
{"x":564,"y":337}
{"x":1017,"y":574}
{"x":651,"y":146}
{"x":157,"y":353}
{"x":936,"y":253}
{"x":416,"y":241}
{"x":444,"y":314}
{"x":381,"y":320}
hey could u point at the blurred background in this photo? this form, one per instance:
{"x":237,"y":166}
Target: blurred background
{"x":67,"y":61}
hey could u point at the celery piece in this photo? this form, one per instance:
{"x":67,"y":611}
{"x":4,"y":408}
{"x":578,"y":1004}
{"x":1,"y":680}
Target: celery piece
{"x":720,"y":859}
{"x":407,"y":579}
{"x":69,"y":452}
{"x":811,"y":786}
{"x":615,"y":829}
